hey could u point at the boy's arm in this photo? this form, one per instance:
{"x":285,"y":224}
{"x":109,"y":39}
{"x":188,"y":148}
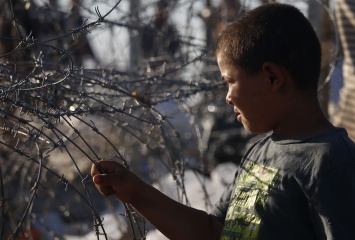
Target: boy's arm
{"x":173,"y":219}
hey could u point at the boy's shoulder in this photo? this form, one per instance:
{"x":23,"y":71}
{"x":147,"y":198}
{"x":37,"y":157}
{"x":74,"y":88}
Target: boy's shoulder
{"x":333,"y":144}
{"x":335,"y":137}
{"x":335,"y":140}
{"x":306,"y":159}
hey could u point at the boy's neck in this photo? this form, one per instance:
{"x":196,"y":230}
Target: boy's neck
{"x":303,"y":118}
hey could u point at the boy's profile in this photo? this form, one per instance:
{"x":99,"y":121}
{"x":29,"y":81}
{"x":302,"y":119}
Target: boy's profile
{"x":296,"y":183}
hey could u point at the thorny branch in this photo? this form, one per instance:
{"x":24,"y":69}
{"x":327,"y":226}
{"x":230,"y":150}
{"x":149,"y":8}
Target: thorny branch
{"x":54,"y":113}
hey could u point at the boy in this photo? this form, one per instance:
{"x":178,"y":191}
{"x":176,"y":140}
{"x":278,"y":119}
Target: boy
{"x":296,"y":183}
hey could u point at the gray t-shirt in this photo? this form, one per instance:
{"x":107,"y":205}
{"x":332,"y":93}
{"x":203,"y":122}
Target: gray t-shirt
{"x":292,"y":189}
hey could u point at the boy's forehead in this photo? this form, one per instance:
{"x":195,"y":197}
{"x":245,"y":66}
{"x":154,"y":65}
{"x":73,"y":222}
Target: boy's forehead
{"x":228,"y":70}
{"x":225,"y":64}
{"x":223,"y":60}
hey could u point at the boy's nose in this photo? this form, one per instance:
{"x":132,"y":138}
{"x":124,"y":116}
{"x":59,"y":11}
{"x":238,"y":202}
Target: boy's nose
{"x":229,"y":100}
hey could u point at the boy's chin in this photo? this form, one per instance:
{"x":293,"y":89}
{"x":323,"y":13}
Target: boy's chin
{"x":255,"y":130}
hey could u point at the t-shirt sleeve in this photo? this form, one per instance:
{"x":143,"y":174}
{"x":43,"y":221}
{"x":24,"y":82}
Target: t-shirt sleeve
{"x":332,"y":202}
{"x":221,"y":207}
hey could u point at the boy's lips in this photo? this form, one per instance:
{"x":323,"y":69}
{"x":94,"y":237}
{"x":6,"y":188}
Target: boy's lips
{"x":239,"y":116}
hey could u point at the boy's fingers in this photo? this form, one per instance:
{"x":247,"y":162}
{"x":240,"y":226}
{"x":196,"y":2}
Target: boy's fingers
{"x":102,"y":182}
{"x":105,"y":179}
{"x":94,"y":170}
{"x":96,"y":179}
{"x":107,"y":166}
{"x":106,"y":190}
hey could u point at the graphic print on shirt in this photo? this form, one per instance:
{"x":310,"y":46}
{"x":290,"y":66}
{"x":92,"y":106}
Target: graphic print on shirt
{"x":248,"y":201}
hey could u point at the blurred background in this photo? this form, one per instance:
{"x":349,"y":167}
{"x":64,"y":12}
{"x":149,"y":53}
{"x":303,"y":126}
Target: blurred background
{"x":137,"y":82}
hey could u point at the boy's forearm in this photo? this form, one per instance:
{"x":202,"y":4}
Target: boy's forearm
{"x":175,"y":220}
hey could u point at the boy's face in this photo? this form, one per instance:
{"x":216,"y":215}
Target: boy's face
{"x":249,"y":95}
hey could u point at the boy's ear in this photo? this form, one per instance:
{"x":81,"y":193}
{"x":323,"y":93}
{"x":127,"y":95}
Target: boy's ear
{"x":274,"y":74}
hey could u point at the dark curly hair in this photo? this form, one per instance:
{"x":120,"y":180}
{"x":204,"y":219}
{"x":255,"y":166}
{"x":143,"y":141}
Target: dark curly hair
{"x":277,"y":33}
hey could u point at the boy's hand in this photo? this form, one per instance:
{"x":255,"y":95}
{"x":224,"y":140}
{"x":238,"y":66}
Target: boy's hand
{"x":167,"y":215}
{"x":117,"y":180}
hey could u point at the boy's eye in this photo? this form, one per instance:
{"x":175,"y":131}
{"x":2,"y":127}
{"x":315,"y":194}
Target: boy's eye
{"x":228,"y":81}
